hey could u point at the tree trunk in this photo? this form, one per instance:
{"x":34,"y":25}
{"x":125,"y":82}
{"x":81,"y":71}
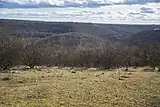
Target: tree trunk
{"x":31,"y":66}
{"x":159,"y":69}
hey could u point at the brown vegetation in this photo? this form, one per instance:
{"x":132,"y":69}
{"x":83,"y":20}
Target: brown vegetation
{"x":53,"y":87}
{"x":75,"y":51}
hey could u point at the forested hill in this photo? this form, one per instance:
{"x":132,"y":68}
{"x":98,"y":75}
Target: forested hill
{"x":43,"y":29}
{"x":148,"y":37}
{"x":34,"y":43}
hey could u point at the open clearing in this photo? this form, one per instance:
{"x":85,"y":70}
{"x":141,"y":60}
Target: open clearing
{"x":53,"y":87}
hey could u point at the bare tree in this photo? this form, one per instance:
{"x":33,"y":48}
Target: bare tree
{"x":32,"y":53}
{"x":10,"y":49}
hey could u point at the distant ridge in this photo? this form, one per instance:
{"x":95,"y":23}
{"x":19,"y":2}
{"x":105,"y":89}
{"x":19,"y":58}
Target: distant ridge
{"x":112,"y":32}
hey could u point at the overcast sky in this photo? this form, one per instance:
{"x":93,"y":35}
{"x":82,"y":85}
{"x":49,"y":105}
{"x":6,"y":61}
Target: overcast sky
{"x":79,"y":2}
{"x":95,"y":11}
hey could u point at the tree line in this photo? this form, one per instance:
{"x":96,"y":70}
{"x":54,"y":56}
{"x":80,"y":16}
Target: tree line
{"x":109,"y":55}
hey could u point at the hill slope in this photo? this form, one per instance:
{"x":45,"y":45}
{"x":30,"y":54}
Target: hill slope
{"x":42,"y":29}
{"x":149,"y":37}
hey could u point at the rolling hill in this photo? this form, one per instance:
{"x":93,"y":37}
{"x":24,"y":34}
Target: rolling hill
{"x":71,"y":32}
{"x":149,"y":37}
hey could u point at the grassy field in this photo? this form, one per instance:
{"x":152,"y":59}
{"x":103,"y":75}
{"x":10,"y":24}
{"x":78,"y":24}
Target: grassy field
{"x":53,"y":87}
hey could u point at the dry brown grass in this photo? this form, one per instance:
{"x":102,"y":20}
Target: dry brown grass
{"x":52,"y":87}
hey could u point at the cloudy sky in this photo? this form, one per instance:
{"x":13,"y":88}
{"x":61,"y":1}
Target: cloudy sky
{"x":95,"y":11}
{"x":79,"y":2}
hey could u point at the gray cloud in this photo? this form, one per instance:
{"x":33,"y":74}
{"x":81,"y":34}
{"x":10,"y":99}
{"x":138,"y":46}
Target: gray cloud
{"x":68,"y":3}
{"x":140,"y":1}
{"x":147,"y":10}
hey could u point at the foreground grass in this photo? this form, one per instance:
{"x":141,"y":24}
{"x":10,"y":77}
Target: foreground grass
{"x":52,"y":87}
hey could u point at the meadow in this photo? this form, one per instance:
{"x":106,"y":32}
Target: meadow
{"x":79,"y":87}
